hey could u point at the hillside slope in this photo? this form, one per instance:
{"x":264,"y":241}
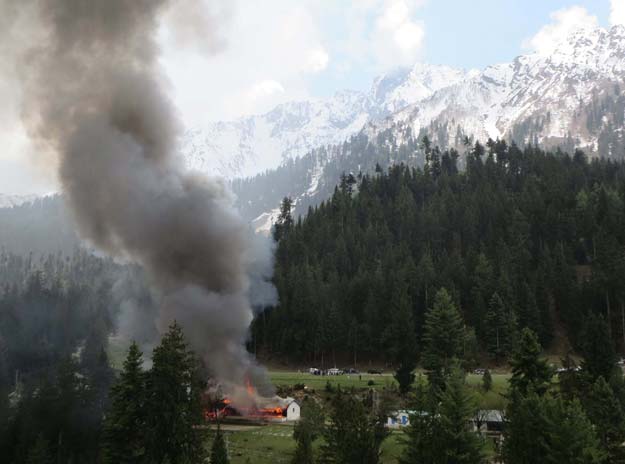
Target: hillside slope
{"x":521,"y":238}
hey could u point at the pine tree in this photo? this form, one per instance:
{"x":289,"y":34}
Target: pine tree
{"x":313,"y":416}
{"x":442,"y":338}
{"x":527,"y":430}
{"x":219,"y":453}
{"x":421,"y":437}
{"x":308,"y":428}
{"x":553,"y":430}
{"x":606,"y":413}
{"x":500,"y":327}
{"x":124,"y":438}
{"x":303,"y":448}
{"x":599,"y":357}
{"x":570,"y":381}
{"x":173,"y":402}
{"x":460,"y":444}
{"x":529,"y":372}
{"x":481,"y":291}
{"x":471,"y":349}
{"x":571,"y":436}
{"x":440,"y":429}
{"x":401,"y":338}
{"x":426,"y":274}
{"x":285,"y":220}
{"x":354,"y":435}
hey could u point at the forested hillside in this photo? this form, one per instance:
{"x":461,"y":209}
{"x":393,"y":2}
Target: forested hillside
{"x":39,"y":227}
{"x":56,"y":313}
{"x":311,"y":179}
{"x":521,"y":238}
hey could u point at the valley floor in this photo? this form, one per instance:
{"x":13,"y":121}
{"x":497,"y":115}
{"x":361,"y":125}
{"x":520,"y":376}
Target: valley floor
{"x":274,"y":443}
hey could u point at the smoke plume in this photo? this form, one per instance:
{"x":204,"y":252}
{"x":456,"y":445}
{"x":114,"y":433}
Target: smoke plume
{"x":93,"y":94}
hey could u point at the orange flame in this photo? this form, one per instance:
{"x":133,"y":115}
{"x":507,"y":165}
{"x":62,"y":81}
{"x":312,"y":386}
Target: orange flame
{"x":226,"y":408}
{"x":251,"y":391}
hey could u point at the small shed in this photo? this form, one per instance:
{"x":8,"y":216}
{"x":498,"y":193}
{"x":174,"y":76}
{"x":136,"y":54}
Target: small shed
{"x":293,"y":411}
{"x":489,"y":421}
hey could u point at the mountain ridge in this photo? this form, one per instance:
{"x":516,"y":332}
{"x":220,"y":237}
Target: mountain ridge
{"x":491,"y":103}
{"x":253,"y":144}
{"x":500,"y":101}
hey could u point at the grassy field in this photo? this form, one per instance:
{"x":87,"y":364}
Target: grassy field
{"x":274,"y":444}
{"x":271,"y":444}
{"x":262,"y":444}
{"x":268,"y":444}
{"x":318,"y":382}
{"x":493,"y":399}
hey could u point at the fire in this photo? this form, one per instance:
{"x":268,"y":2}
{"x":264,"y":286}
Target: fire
{"x":251,"y":391}
{"x":225,"y":408}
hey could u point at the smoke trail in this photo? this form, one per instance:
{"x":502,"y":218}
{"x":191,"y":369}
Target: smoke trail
{"x":93,"y":94}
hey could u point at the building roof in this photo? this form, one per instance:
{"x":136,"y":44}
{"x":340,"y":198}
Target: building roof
{"x":490,"y":415}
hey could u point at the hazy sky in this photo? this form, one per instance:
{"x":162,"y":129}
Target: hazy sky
{"x":273,"y":51}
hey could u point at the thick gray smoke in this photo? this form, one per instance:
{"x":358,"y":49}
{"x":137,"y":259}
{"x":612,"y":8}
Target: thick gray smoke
{"x":93,"y":94}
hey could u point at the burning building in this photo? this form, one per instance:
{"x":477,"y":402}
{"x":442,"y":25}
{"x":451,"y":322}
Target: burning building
{"x":253,"y":407}
{"x":283,"y":410}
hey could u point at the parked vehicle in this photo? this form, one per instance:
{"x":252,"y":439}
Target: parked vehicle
{"x":561,"y":370}
{"x":374,"y":371}
{"x":334,"y":371}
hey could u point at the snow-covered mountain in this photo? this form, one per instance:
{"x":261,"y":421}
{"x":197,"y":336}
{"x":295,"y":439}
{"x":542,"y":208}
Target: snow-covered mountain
{"x":544,"y":98}
{"x":254,"y":144}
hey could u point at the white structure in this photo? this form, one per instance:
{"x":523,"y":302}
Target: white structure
{"x":293,"y":411}
{"x":399,"y":419}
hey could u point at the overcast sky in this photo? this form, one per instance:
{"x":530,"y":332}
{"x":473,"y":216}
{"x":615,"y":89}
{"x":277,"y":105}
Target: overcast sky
{"x":271,"y":51}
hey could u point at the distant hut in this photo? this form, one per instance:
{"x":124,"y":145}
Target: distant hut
{"x":490,"y":421}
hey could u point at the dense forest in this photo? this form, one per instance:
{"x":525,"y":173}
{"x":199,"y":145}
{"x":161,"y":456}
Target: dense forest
{"x":520,"y":238}
{"x":60,"y":398}
{"x":56,"y":313}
